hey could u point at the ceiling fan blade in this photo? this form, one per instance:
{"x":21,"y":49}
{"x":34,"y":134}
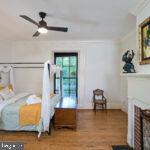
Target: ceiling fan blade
{"x":29,"y":19}
{"x":62,"y":29}
{"x":36,"y":34}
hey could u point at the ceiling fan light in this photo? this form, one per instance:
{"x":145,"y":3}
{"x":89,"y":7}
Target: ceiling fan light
{"x":42,"y":30}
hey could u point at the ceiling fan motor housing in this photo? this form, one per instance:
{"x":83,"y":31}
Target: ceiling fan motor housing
{"x":42,"y":15}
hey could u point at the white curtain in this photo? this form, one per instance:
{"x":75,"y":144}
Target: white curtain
{"x":12,"y":78}
{"x":56,"y":70}
{"x":49,"y":70}
{"x":9,"y":70}
{"x":45,"y":112}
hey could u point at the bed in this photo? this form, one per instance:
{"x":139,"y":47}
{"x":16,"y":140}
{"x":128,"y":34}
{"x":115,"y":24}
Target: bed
{"x":16,"y":107}
{"x":9,"y":118}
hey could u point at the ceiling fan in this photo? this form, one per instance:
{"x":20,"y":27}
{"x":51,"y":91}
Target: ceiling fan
{"x":42,"y":25}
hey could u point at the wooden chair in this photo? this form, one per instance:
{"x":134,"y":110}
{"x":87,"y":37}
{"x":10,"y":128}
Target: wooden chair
{"x":99,"y":99}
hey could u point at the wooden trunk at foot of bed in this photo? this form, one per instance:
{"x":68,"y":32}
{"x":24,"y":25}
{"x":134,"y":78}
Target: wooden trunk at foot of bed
{"x":65,"y":116}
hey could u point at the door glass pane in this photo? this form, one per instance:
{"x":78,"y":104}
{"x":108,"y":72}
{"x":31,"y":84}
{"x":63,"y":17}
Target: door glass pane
{"x":59,"y":61}
{"x":73,"y":61}
{"x":65,"y":87}
{"x":66,"y":84}
{"x":65,"y":61}
{"x":72,"y":84}
{"x":65,"y":93}
{"x":57,"y":84}
{"x":72,"y":93}
{"x":65,"y":71}
{"x":73,"y":71}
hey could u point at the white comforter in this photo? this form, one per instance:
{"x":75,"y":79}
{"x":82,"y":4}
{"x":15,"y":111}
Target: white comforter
{"x":11,"y":100}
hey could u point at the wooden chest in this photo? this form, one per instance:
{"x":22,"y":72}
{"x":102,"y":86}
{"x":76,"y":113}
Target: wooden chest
{"x":65,"y":113}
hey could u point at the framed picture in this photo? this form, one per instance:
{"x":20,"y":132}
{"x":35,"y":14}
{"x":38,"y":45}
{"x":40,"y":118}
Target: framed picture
{"x":144,"y":42}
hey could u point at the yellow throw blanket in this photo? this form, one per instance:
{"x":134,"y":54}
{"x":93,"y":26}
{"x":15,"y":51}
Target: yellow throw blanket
{"x":30,"y":114}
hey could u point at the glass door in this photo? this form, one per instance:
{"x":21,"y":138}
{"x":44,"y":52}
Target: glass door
{"x":69,"y":64}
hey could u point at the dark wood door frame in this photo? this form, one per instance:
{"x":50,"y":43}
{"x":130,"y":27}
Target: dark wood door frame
{"x":69,"y":54}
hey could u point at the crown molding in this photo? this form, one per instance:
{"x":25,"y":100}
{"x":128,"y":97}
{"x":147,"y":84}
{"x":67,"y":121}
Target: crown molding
{"x":69,"y":41}
{"x":139,"y":7}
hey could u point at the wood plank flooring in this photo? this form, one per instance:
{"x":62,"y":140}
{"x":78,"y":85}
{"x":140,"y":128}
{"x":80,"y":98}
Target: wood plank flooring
{"x":94,"y":132}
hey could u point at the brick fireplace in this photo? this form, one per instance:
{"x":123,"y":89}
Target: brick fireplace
{"x":138,"y":140}
{"x":145,"y":121}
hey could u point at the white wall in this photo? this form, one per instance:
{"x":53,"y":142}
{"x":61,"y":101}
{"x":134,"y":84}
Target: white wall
{"x":5,"y":51}
{"x":98,"y":67}
{"x":130,"y":41}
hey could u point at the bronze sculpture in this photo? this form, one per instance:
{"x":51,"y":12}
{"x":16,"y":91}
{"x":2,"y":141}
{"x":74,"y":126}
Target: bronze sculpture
{"x":127,"y":58}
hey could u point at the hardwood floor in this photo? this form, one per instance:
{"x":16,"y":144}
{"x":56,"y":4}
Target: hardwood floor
{"x":94,"y":132}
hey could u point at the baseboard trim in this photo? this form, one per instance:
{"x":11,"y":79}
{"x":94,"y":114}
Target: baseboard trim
{"x":82,"y":109}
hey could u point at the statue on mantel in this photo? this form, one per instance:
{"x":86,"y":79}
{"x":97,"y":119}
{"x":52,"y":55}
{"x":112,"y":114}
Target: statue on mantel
{"x":127,"y":58}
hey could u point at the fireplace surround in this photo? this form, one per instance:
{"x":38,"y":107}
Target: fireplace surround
{"x":138,"y":99}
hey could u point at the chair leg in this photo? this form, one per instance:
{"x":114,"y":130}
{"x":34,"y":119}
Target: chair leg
{"x":105,"y":105}
{"x":94,"y":107}
{"x":102,"y":106}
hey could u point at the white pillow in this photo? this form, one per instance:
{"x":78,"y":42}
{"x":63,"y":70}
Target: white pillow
{"x":33,"y":99}
{"x":6,"y":93}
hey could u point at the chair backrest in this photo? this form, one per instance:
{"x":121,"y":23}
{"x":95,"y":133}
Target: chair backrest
{"x":98,"y":92}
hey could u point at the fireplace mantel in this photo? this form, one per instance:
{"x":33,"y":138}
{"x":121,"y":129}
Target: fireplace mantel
{"x":136,"y":75}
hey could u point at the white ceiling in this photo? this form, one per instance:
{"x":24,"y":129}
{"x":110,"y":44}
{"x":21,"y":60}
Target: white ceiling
{"x":86,"y":19}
